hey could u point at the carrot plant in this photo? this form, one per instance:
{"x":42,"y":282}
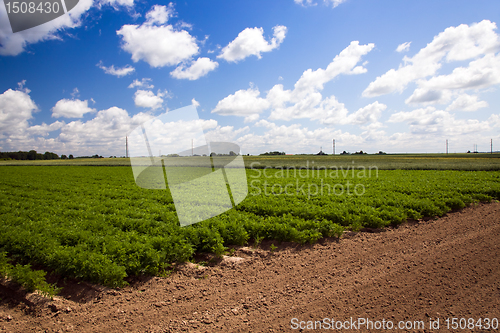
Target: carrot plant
{"x":95,"y":224}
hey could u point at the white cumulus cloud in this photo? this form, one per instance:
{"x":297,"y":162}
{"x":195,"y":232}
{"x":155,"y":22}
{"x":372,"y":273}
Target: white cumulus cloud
{"x":148,"y":99}
{"x":466,"y":102}
{"x":160,"y":14}
{"x":335,"y":3}
{"x":45,"y":129}
{"x":307,"y":3}
{"x":453,"y":44}
{"x":251,"y":41}
{"x":126,"y":70}
{"x":144,"y":83}
{"x":405,"y":47}
{"x":16,"y":108}
{"x":157,"y":43}
{"x":242,"y":103}
{"x":480,"y":73}
{"x":430,"y":121}
{"x":71,"y":108}
{"x":117,"y":3}
{"x":305,"y":100}
{"x":428,"y":96}
{"x":368,"y":114}
{"x":195,"y":103}
{"x":197,"y":69}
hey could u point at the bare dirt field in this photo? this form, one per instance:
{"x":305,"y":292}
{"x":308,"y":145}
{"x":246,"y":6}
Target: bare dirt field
{"x":419,"y":272}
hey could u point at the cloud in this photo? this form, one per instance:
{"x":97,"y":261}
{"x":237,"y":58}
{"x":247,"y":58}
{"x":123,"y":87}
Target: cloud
{"x":75,"y":93}
{"x":252,"y":118}
{"x":252,"y":42}
{"x":116,"y":71}
{"x":307,"y":3}
{"x":156,"y":43}
{"x":242,"y":103}
{"x":195,"y":103}
{"x":144,"y":83}
{"x":453,"y":44}
{"x":481,"y":73}
{"x":45,"y":129}
{"x":426,"y":96}
{"x":435,"y":122}
{"x":305,"y":100}
{"x":71,"y":108}
{"x":405,"y":47}
{"x":466,"y":102}
{"x":148,"y":99}
{"x":197,"y":69}
{"x":335,"y":3}
{"x":104,"y":134}
{"x":116,"y":3}
{"x":293,"y":138}
{"x":224,"y":133}
{"x":344,"y":63}
{"x":160,"y":14}
{"x":12,"y":44}
{"x":368,"y":114}
{"x":16,"y":108}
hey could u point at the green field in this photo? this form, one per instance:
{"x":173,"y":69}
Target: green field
{"x":94,"y":223}
{"x":482,"y":161}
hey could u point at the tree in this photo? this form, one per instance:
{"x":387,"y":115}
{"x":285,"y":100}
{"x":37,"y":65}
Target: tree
{"x":50,"y":156}
{"x":64,"y":157}
{"x":70,"y":156}
{"x":32,"y":155}
{"x":274,"y":153}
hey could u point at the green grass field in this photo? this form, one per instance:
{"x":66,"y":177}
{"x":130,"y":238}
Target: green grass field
{"x":482,"y":161}
{"x":94,"y":223}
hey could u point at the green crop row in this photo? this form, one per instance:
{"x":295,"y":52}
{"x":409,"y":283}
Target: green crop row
{"x":23,"y":275}
{"x":95,"y":224}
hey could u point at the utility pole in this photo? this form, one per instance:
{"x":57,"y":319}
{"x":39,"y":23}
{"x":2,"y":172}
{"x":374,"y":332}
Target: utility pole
{"x":126,"y":146}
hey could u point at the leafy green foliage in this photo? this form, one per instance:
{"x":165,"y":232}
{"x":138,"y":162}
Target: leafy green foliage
{"x":29,"y":279}
{"x":94,"y":223}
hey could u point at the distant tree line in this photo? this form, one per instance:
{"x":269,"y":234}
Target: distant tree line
{"x":30,"y":155}
{"x":93,"y":156}
{"x":231,"y":153}
{"x":274,"y":153}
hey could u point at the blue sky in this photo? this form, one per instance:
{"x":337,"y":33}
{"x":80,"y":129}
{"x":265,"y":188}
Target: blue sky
{"x":290,"y":75}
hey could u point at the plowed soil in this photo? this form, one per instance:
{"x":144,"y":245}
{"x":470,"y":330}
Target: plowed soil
{"x":421,"y":271}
